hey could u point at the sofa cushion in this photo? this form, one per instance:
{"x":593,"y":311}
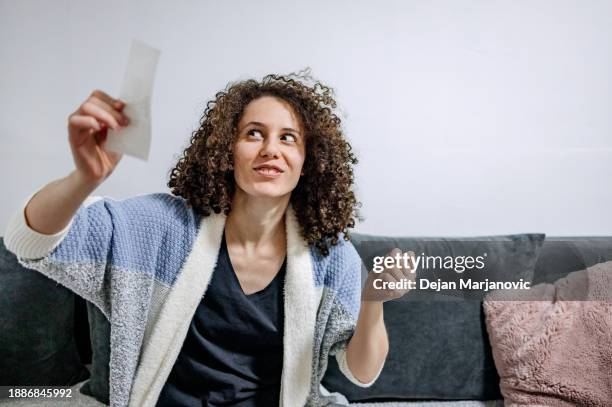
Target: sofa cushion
{"x":37,"y":345}
{"x":552,"y":344}
{"x":438,"y":348}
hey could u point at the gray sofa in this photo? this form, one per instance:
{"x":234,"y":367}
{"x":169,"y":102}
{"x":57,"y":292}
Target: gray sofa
{"x":439,"y":353}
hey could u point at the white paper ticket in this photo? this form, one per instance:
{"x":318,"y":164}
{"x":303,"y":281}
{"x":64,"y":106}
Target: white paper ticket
{"x":136,"y":91}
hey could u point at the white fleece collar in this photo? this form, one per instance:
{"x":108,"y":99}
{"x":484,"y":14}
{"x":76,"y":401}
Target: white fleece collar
{"x":301,"y":304}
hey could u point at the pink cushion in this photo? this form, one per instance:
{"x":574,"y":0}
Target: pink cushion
{"x":552,"y":345}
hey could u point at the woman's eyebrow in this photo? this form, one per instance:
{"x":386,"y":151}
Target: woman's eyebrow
{"x":263,"y":125}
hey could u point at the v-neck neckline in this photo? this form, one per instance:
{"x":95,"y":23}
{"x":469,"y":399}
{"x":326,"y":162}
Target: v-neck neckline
{"x":257,"y":294}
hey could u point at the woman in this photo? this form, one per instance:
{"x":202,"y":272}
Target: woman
{"x":236,"y":288}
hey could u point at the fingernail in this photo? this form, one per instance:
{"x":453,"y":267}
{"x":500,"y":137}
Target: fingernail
{"x":125,"y":121}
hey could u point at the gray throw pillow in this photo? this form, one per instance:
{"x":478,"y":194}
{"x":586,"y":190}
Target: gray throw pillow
{"x":438,"y":349}
{"x":37,"y":345}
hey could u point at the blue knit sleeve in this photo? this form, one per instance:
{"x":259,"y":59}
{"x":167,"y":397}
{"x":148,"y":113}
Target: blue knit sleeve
{"x":345,"y":276}
{"x":146,"y":237}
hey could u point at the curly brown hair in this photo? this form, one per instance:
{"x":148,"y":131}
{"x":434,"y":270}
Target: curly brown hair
{"x":323,"y":200}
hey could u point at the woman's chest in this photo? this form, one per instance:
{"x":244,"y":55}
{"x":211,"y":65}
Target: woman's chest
{"x":255,"y":272}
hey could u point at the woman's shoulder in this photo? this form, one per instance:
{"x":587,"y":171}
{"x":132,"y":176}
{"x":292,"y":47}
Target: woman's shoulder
{"x":153,"y":209}
{"x":343,"y":250}
{"x":342,"y":261}
{"x":158,"y":201}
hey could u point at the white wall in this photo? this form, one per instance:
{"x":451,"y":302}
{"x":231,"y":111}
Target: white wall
{"x":469,"y":117}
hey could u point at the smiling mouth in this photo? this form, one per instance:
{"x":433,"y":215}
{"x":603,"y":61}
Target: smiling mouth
{"x":270,"y":172}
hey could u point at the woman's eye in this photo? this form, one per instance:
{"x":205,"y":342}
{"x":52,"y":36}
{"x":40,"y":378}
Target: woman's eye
{"x":254,"y":134}
{"x":289,"y":137}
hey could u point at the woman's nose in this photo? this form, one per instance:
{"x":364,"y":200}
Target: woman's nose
{"x":270,"y":148}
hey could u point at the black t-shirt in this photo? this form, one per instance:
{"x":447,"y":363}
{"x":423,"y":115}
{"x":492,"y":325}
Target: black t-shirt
{"x":233,"y":352}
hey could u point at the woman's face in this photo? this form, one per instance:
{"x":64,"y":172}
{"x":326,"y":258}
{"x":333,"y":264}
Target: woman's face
{"x":269,"y":150}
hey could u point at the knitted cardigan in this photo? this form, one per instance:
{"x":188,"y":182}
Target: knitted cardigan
{"x":146,"y":262}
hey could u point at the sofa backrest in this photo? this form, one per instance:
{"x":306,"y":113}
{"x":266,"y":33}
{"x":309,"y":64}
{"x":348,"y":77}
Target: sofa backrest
{"x":562,"y":255}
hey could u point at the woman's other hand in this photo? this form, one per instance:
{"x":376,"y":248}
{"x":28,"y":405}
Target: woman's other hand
{"x":393,"y":282}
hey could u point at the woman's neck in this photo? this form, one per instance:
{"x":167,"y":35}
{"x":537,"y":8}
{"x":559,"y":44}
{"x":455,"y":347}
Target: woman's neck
{"x":255,"y":222}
